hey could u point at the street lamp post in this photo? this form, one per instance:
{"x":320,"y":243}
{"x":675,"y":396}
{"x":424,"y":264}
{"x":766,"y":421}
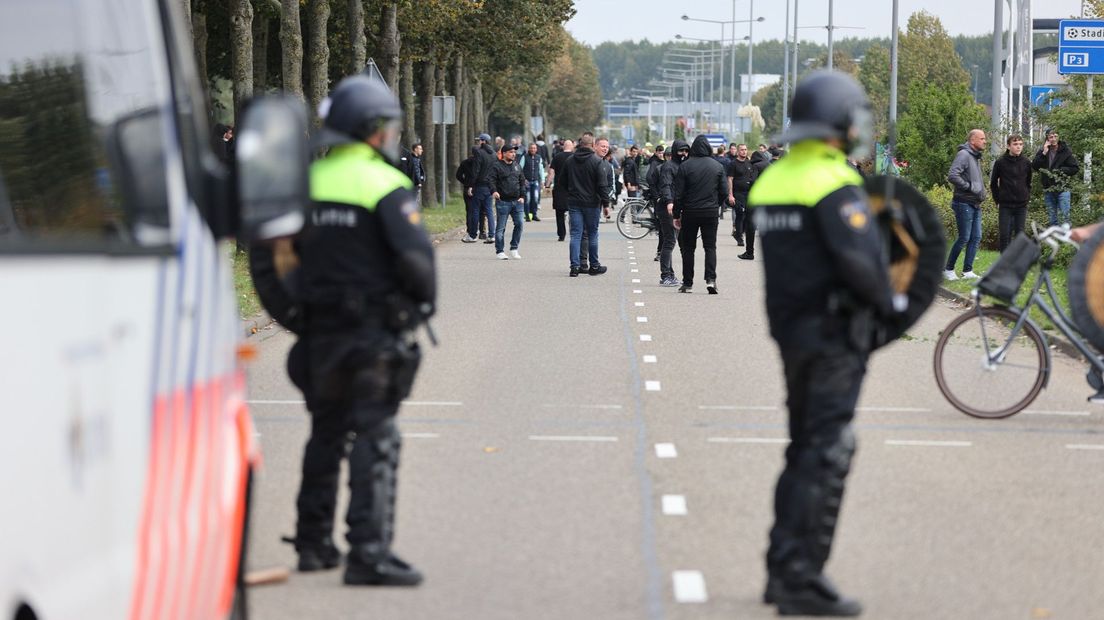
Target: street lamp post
{"x":733,"y":21}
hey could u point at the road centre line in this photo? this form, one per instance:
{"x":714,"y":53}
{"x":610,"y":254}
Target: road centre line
{"x":637,"y":291}
{"x":582,"y":438}
{"x":636,"y":281}
{"x":689,"y":586}
{"x":761,"y":440}
{"x":420,"y":435}
{"x":559,"y":406}
{"x":666,"y":450}
{"x":275,"y":402}
{"x":736,"y":407}
{"x":895,"y":409}
{"x":639,"y":304}
{"x":634,"y":271}
{"x":674,"y":505}
{"x":1069,"y":413}
{"x":409,"y":403}
{"x":928,"y":443}
{"x":1085,"y":446}
{"x":641,"y":319}
{"x":651,"y":386}
{"x":650,"y":359}
{"x":645,"y":338}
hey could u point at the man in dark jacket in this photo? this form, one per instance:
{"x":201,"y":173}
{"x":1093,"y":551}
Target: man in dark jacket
{"x":532,"y":165}
{"x":557,"y":179}
{"x":480,"y":191}
{"x":508,"y":189}
{"x":630,"y":170}
{"x":700,"y":188}
{"x":1010,"y":185}
{"x":741,"y":173}
{"x":588,"y":193}
{"x":665,"y":203}
{"x":969,"y":191}
{"x":411,"y":165}
{"x":464,"y":174}
{"x":760,"y":160}
{"x":1058,"y":166}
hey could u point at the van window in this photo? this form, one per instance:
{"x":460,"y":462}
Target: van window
{"x":82,"y":127}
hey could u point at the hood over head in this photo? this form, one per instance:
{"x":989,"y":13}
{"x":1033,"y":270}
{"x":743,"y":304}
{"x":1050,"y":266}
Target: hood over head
{"x":759,"y":156}
{"x":701,"y":147}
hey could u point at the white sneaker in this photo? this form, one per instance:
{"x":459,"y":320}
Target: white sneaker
{"x":949,"y":275}
{"x":467,"y":239}
{"x":502,"y":256}
{"x":970,"y":275}
{"x":514,"y":254}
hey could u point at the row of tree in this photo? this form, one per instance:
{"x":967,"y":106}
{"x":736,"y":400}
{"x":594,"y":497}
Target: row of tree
{"x":505,"y":61}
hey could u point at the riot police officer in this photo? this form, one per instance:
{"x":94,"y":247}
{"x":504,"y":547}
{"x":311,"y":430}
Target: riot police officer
{"x":367,"y":280}
{"x":826,"y":280}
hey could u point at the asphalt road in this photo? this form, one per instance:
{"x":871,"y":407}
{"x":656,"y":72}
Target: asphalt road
{"x":601,"y":447}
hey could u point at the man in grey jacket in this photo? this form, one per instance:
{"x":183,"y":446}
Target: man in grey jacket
{"x":969,"y":191}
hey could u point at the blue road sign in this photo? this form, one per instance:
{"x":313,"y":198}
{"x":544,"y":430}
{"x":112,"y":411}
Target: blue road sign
{"x":1081,"y":46}
{"x":1039,"y":97}
{"x":716,"y":139}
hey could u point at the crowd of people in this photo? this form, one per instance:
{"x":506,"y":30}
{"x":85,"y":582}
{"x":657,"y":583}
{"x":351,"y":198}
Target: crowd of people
{"x":587,"y":177}
{"x":1010,"y":186}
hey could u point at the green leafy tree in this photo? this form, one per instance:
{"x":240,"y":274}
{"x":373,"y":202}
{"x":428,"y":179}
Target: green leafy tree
{"x":769,"y":100}
{"x":937,"y":122}
{"x":928,"y":58}
{"x":574,"y":101}
{"x":874,"y":77}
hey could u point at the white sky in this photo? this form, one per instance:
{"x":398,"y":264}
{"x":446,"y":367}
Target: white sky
{"x":659,"y":20}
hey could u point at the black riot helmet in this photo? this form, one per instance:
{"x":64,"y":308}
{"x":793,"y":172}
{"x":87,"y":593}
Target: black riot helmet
{"x":831,"y":104}
{"x":356,"y":108}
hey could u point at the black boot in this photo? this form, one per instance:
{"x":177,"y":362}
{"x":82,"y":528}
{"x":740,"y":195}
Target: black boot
{"x":816,"y":597}
{"x":315,"y":555}
{"x":373,"y":466}
{"x":747,"y":256}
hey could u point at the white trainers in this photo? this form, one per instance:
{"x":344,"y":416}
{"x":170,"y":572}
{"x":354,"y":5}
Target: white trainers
{"x":514,"y":254}
{"x":502,"y":256}
{"x":949,"y":275}
{"x":970,"y":275}
{"x":467,"y":239}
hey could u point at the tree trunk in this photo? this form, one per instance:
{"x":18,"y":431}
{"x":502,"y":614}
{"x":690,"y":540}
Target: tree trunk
{"x":463,"y":116}
{"x":260,"y":53}
{"x":479,"y":117}
{"x":199,"y":39}
{"x":455,"y":141}
{"x":186,"y":6}
{"x":426,"y":85}
{"x":358,"y":43}
{"x":319,"y":55}
{"x":443,"y":147}
{"x":390,"y":44}
{"x":241,"y":52}
{"x":406,"y":98}
{"x":291,"y":44}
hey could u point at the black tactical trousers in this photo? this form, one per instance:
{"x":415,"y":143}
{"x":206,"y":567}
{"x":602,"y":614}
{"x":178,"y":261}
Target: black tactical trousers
{"x":822,"y":383}
{"x":739,"y":214}
{"x":667,"y":238}
{"x":706,"y":222}
{"x":340,"y":379}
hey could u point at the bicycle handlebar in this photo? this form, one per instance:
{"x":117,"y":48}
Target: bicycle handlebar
{"x":1054,"y":236}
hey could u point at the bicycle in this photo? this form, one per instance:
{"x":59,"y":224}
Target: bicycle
{"x":637,"y":218}
{"x":993,"y":361}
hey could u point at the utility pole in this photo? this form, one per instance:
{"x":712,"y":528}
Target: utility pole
{"x":751,"y":48}
{"x":893,"y":83}
{"x":786,"y":67}
{"x":795,"y":46}
{"x":998,"y":56}
{"x":831,"y":31}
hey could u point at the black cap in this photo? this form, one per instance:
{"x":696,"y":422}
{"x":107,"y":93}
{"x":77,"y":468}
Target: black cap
{"x":507,"y":147}
{"x":353,"y":110}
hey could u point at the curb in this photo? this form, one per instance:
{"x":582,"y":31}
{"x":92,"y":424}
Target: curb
{"x":1055,"y":339}
{"x":453,"y":234}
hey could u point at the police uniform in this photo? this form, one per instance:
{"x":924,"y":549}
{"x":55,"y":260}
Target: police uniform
{"x":367,"y":278}
{"x":825,"y":276}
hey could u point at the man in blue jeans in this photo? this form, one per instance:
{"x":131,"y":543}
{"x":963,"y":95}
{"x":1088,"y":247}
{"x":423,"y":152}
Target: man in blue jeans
{"x":532,"y":165}
{"x":508,"y":185}
{"x":480,"y":191}
{"x":969,"y":191}
{"x":1058,"y":166}
{"x":588,"y":192}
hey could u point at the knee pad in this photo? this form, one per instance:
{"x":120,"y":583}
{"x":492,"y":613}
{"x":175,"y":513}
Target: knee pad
{"x":835,"y":455}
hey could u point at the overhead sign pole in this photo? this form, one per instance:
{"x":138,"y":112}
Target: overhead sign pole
{"x":444,"y":114}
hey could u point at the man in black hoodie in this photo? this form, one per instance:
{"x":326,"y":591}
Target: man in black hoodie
{"x":559,"y":189}
{"x":1010,"y":186}
{"x":760,"y":159}
{"x":1058,"y":164}
{"x":665,"y":203}
{"x":588,"y":193}
{"x":464,"y":174}
{"x":700,"y":188}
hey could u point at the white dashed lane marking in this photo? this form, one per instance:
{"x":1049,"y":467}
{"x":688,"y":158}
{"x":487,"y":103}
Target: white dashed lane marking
{"x":636,"y":281}
{"x":583,"y":438}
{"x":650,"y":359}
{"x":637,"y":291}
{"x":651,"y":386}
{"x":634,"y":271}
{"x":639,"y":304}
{"x":674,"y":505}
{"x":1069,"y":413}
{"x":689,"y":586}
{"x":737,"y":408}
{"x":645,"y":338}
{"x":420,"y":435}
{"x":762,"y":440}
{"x":408,"y":403}
{"x":641,"y":319}
{"x":666,"y":450}
{"x":928,"y":443}
{"x":568,"y":406}
{"x":1085,"y":446}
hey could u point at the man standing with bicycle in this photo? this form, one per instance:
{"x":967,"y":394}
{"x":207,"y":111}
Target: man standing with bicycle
{"x":825,"y":279}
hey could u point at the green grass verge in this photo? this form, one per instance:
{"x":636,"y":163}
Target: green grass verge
{"x":439,"y":220}
{"x":248,"y":303}
{"x":985,"y":259}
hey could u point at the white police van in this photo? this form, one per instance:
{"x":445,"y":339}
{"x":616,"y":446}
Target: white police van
{"x":126,"y":446}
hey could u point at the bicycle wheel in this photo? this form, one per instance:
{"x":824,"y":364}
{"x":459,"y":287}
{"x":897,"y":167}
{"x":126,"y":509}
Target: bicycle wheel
{"x":633,"y":222}
{"x":977,"y":376}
